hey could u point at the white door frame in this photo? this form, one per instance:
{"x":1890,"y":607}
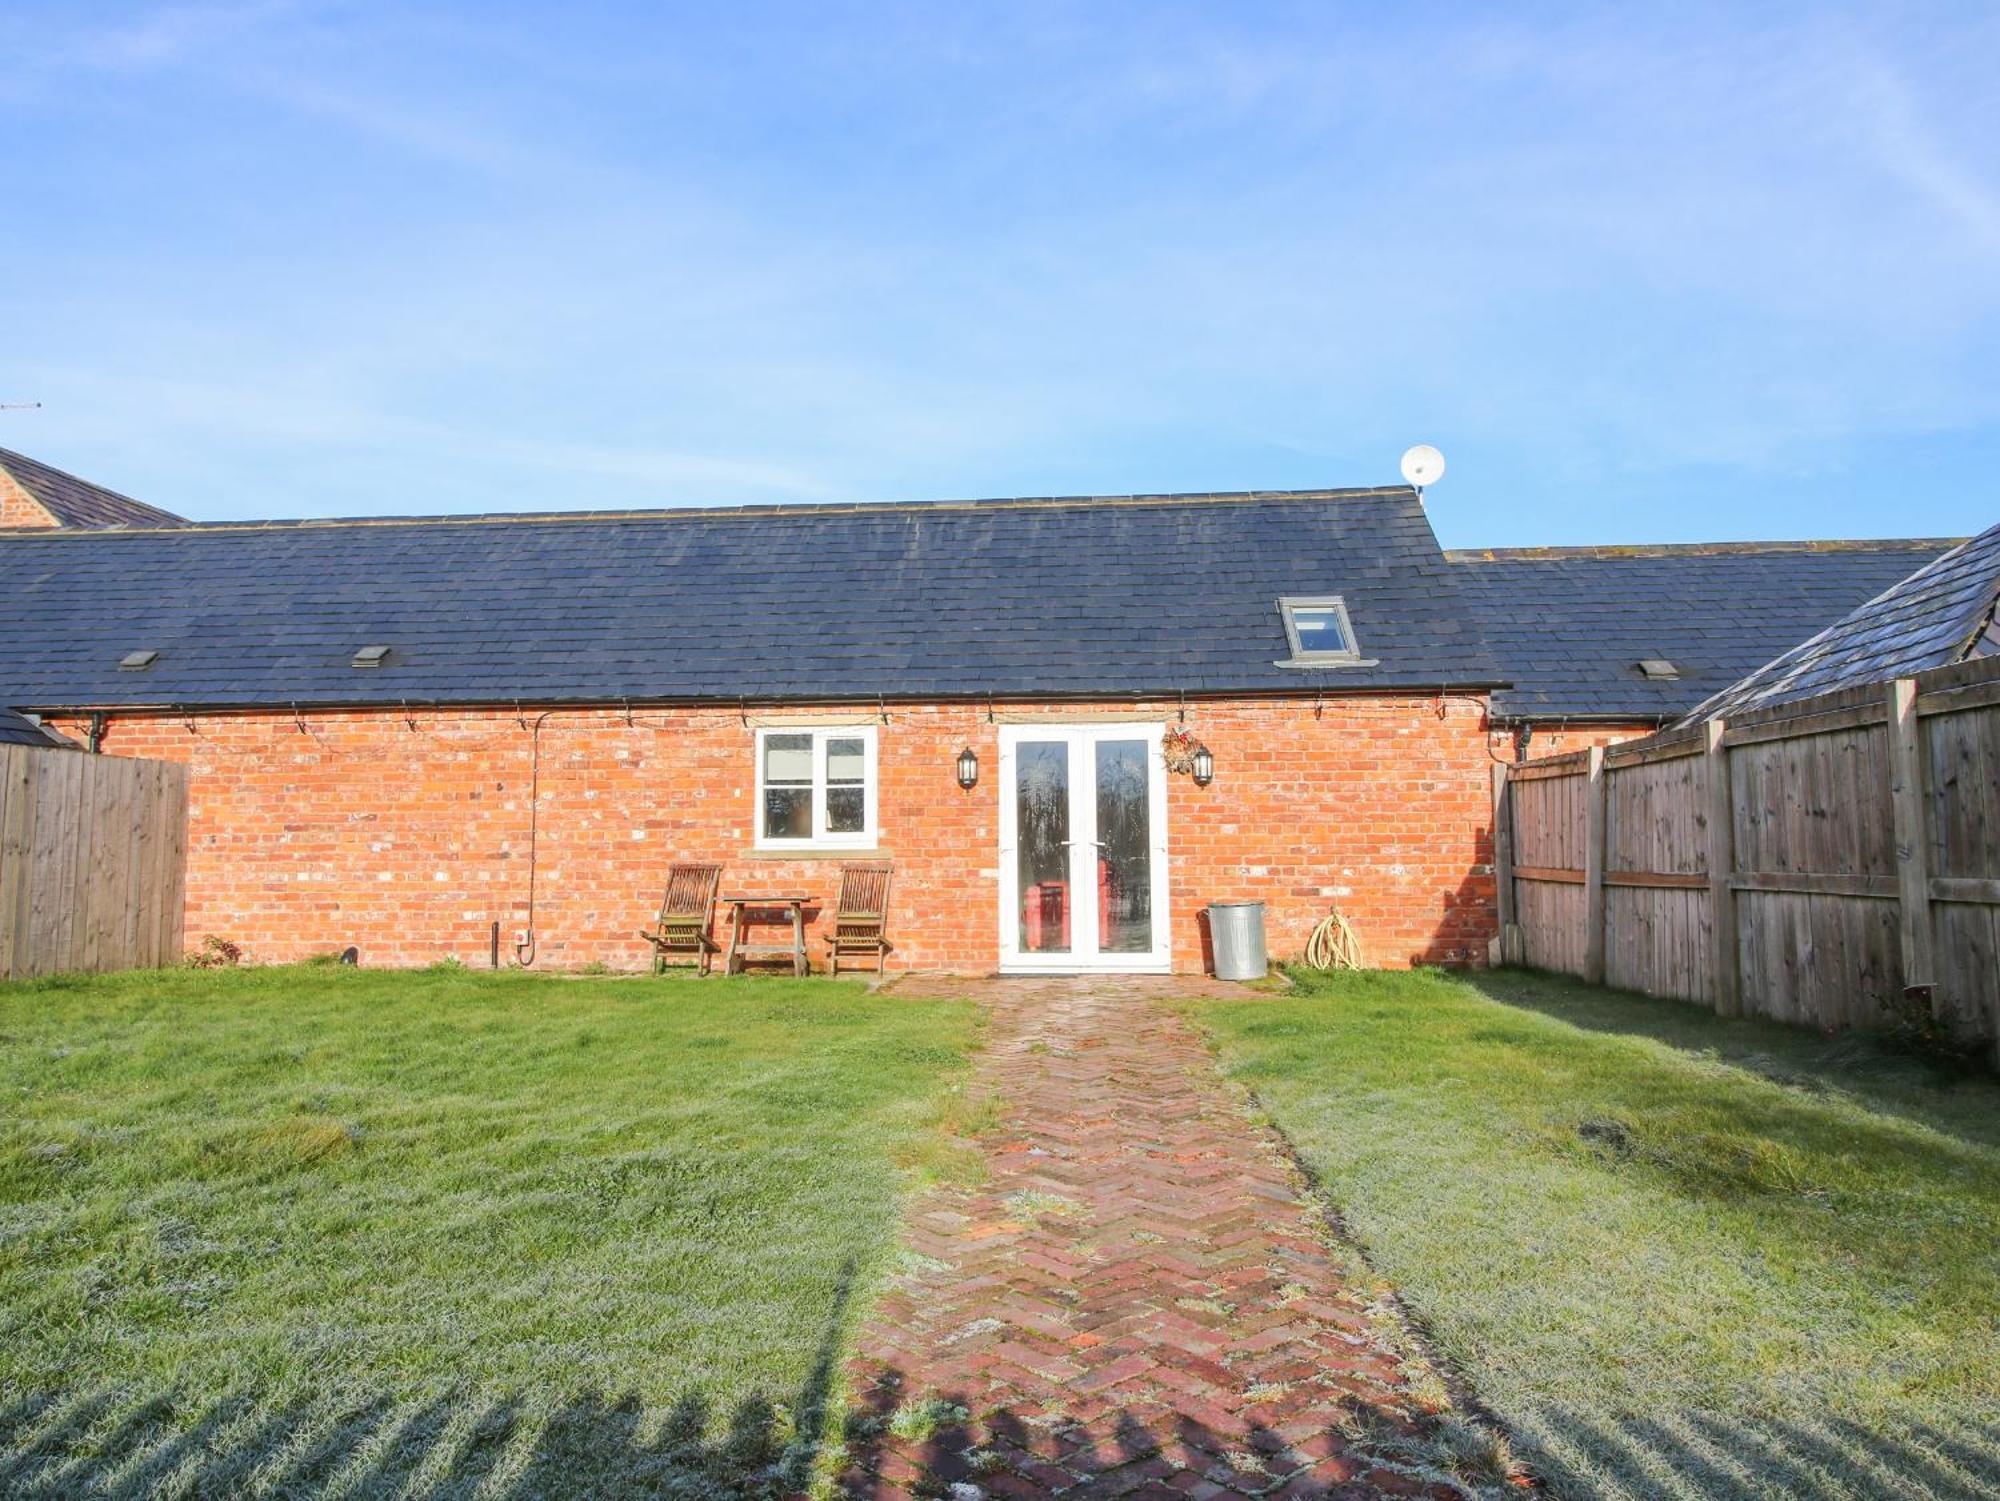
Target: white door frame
{"x":1084,"y":955}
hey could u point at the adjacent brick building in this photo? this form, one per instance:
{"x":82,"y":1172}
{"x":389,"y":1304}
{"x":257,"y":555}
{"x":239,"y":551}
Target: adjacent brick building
{"x":34,"y":496}
{"x":406,"y":732}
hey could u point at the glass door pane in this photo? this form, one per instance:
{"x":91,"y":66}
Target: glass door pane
{"x":1042,"y":845}
{"x":1124,"y":874}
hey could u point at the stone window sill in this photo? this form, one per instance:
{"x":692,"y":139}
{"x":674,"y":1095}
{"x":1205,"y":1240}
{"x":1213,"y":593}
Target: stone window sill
{"x":810,"y":852}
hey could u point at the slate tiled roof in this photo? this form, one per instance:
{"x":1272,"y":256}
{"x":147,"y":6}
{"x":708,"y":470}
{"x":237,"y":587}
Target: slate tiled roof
{"x":77,"y":502}
{"x":1113,"y":596}
{"x":1570,"y":625}
{"x":1941,"y":614}
{"x":16,"y":730}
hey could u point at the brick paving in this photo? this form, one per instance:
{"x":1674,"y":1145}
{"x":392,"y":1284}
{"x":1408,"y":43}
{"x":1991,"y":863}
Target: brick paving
{"x":1138,"y":1302}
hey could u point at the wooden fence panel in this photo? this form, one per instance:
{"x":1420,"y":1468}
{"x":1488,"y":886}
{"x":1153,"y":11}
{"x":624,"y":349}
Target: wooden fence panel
{"x":1551,"y":919}
{"x":1964,"y":754}
{"x":1857,"y":841}
{"x":1654,"y":817}
{"x":92,"y":862}
{"x":1963,"y":814}
{"x":1548,"y":822}
{"x":1817,"y":803}
{"x":1656,"y":937}
{"x":1548,"y":833}
{"x":1817,"y":959}
{"x":1657,"y":941}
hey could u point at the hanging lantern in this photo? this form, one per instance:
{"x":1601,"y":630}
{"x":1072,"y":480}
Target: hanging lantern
{"x":968,"y":769}
{"x":1203,"y":766}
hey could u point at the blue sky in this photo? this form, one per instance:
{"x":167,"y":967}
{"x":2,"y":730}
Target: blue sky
{"x":1644,"y":273}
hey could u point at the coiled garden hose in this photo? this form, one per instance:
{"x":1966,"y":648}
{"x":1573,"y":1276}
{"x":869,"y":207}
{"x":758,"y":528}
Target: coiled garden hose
{"x":1334,"y":944}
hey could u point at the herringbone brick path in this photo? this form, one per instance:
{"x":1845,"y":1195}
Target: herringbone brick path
{"x":1138,"y":1302}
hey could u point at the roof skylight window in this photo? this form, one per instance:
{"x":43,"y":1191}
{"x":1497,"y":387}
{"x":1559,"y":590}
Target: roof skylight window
{"x":1659,"y":669}
{"x":138,"y":661}
{"x":1319,"y":632}
{"x":371,"y":656}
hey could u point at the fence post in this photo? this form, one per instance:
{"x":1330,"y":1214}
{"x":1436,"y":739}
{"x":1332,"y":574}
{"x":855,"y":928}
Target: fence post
{"x":1725,"y":980}
{"x":1593,"y":868}
{"x":1508,"y":939}
{"x":1913,"y":856}
{"x":17,"y":827}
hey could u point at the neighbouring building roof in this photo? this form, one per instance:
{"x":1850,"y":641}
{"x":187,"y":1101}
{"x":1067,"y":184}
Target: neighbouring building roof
{"x":1570,"y":625}
{"x":1141,"y":595}
{"x":73,"y":502}
{"x":1941,"y":614}
{"x":18,"y":729}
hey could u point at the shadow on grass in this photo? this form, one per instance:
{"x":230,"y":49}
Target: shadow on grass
{"x":1707,"y":1455}
{"x":119,"y":1445}
{"x":453,"y":1448}
{"x":1891,"y":1079}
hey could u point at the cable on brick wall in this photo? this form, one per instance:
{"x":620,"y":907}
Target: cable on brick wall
{"x":524,"y":951}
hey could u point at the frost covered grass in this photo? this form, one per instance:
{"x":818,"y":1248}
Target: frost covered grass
{"x":348,"y":1232}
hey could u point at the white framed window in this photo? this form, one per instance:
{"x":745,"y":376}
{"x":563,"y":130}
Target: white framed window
{"x":816,"y":787}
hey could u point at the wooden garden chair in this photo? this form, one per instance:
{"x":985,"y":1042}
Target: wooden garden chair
{"x":685,"y":913}
{"x":861,"y":916}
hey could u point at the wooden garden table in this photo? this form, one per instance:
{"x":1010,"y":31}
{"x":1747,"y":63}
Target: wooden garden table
{"x":762,"y":909}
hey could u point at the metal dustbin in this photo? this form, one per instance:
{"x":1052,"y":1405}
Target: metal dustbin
{"x":1236,"y":938}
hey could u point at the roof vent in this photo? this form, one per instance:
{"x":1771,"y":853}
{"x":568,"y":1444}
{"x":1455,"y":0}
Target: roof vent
{"x":370,"y":656}
{"x":138,"y":661}
{"x":1659,"y":669}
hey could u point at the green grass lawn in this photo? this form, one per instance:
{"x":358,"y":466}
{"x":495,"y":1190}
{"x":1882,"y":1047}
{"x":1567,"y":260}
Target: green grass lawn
{"x":325,"y":1231}
{"x":1675,"y":1255}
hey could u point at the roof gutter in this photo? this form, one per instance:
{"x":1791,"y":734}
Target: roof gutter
{"x":1550,"y":716}
{"x":1307,"y":691}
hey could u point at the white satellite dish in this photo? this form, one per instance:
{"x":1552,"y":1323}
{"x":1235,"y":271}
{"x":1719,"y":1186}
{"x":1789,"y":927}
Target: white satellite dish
{"x":1423,"y":465}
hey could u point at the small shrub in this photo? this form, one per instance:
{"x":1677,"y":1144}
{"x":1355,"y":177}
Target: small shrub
{"x":215,"y":953}
{"x":1916,"y":1028}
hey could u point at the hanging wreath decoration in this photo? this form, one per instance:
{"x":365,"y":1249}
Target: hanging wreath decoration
{"x":1178,"y":748}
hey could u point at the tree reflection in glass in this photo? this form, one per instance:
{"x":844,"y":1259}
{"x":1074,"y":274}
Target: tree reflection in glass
{"x":1041,"y":837}
{"x":1124,"y":846}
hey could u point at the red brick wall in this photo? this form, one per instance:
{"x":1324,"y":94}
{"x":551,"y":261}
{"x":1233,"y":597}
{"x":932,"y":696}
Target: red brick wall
{"x":18,"y":508}
{"x":1560,"y":739}
{"x":409,"y":843}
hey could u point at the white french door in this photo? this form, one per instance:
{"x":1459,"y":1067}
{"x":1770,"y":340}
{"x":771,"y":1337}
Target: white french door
{"x":1083,"y":848}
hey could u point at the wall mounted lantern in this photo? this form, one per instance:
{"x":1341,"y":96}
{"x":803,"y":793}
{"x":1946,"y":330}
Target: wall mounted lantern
{"x":968,"y":769}
{"x":1203,"y":766}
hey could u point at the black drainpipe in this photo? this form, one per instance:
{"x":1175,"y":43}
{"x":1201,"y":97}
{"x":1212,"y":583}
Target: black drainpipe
{"x":98,"y":726}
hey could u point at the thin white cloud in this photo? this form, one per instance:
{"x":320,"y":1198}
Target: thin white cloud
{"x":1911,"y":148}
{"x":154,"y":38}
